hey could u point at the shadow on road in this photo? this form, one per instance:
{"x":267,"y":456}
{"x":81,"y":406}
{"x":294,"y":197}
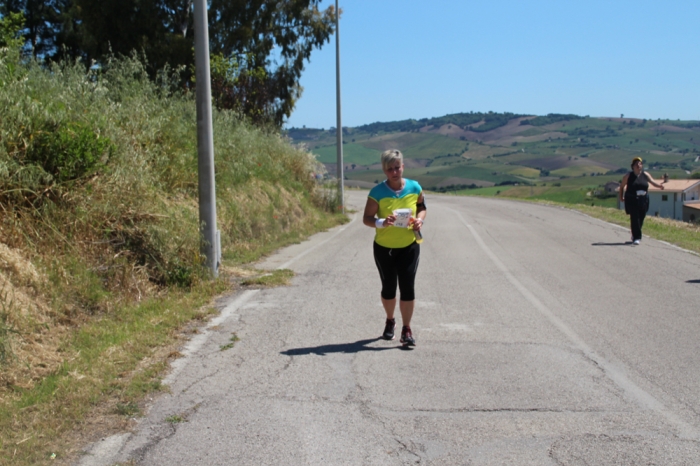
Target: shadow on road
{"x":626,"y":243}
{"x":322,"y":350}
{"x":692,"y":281}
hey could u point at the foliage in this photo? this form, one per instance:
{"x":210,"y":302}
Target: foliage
{"x":10,"y":48}
{"x":11,"y":25}
{"x":465,"y":121}
{"x":130,"y":143}
{"x":241,"y":88}
{"x":549,"y":119}
{"x":247,"y":34}
{"x":68,"y":151}
{"x":41,"y":20}
{"x":251,"y":31}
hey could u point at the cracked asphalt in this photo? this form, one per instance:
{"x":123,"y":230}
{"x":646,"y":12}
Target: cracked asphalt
{"x":542,"y":339}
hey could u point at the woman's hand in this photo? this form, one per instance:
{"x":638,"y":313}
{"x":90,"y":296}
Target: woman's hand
{"x":417,"y":223}
{"x":389,"y":221}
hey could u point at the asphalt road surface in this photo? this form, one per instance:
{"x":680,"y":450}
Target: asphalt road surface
{"x":543,"y":338}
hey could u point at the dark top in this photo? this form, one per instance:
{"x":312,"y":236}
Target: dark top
{"x":636,"y":183}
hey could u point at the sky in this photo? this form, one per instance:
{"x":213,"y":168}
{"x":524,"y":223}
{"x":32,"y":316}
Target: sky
{"x":404,"y":59}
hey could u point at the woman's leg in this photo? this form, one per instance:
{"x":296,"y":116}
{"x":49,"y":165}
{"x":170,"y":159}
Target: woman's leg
{"x":636,"y":222}
{"x":389,"y":307}
{"x":406,"y":308}
{"x":407,"y":266}
{"x":642,"y":216}
{"x":388,"y":276}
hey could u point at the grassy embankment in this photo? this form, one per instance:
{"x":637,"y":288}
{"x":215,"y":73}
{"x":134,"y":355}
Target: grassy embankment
{"x":100,"y":268}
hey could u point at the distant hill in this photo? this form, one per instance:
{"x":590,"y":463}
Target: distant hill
{"x":486,"y":149}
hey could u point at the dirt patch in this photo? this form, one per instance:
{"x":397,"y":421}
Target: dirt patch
{"x":453,"y":130}
{"x":496,"y":136}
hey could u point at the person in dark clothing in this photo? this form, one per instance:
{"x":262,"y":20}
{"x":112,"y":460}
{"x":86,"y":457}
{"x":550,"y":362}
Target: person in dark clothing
{"x":634,"y":193}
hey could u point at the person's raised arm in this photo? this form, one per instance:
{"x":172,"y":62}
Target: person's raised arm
{"x":652,"y":181}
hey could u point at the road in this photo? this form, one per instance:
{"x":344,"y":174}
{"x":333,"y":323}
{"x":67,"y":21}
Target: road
{"x":543,"y":338}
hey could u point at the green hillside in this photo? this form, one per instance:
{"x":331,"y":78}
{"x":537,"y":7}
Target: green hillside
{"x":491,"y":149}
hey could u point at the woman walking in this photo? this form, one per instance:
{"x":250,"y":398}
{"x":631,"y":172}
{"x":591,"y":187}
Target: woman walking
{"x":634,"y":193}
{"x":396,"y":251}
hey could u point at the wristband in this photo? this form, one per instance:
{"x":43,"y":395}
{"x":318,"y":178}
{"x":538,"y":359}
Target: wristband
{"x":379,"y":223}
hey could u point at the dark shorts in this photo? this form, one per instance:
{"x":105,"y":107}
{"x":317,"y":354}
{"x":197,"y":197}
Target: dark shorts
{"x":397,"y":265}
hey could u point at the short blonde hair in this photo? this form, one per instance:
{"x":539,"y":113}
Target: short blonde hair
{"x":390,"y":156}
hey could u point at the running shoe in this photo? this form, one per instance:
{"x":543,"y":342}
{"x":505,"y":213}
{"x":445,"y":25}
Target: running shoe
{"x":407,"y":336}
{"x":389,"y":329}
{"x":635,"y":241}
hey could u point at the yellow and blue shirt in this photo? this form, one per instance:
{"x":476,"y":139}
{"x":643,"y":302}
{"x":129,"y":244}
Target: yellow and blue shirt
{"x":389,"y":201}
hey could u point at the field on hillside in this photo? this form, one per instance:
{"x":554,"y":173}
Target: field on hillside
{"x":506,"y":151}
{"x":569,"y":191}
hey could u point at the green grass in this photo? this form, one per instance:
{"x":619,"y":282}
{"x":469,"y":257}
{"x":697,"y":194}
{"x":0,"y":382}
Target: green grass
{"x":352,"y":153}
{"x":487,"y":172}
{"x":232,"y":342}
{"x":577,"y":170}
{"x":488,"y":192}
{"x":273,"y":278}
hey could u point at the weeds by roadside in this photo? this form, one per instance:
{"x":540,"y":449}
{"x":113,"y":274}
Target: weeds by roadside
{"x":100,"y":267}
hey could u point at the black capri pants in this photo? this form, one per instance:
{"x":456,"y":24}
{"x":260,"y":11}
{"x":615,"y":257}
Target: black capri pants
{"x":397,"y":264}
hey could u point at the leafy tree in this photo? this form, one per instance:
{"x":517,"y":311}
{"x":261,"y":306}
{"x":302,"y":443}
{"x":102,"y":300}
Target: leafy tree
{"x":10,"y":29}
{"x":156,"y":28}
{"x":41,"y":22}
{"x":247,"y":35}
{"x":250,"y":32}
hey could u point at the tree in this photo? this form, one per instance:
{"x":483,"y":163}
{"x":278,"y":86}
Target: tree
{"x":41,"y":22}
{"x":246,"y":35}
{"x":250,"y":32}
{"x":156,"y":28}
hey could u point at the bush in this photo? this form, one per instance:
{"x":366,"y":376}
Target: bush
{"x":70,"y":151}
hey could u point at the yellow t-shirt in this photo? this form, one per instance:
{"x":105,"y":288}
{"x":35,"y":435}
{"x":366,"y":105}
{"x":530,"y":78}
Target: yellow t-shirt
{"x":389,"y":201}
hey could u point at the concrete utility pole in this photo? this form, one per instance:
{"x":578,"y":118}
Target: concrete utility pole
{"x":211,"y":244}
{"x":339,"y":124}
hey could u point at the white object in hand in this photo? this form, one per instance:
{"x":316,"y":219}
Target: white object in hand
{"x":403,"y":218}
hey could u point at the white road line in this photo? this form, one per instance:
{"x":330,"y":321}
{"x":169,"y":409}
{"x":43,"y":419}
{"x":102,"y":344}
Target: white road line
{"x":617,"y":375}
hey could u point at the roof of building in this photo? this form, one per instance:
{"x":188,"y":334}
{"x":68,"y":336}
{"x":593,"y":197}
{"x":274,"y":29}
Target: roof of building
{"x":694,"y":206}
{"x":675,"y":186}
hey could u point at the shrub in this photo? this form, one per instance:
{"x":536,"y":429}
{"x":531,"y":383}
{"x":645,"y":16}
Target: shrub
{"x":69,"y":151}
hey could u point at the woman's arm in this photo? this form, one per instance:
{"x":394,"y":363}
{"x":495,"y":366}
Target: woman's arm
{"x":653,"y":181}
{"x":623,"y":185}
{"x":370,"y":216}
{"x":421,"y":212}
